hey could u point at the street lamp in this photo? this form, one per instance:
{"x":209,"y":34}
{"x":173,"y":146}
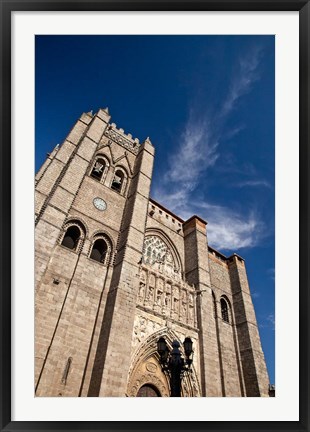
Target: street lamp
{"x":173,"y":363}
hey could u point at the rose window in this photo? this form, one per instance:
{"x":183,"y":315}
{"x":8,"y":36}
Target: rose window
{"x":155,"y":250}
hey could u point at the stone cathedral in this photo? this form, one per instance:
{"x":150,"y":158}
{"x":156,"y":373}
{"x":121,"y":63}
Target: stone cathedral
{"x":115,"y":271}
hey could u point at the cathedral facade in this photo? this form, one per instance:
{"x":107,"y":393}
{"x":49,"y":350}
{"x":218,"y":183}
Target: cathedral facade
{"x":115,"y":271}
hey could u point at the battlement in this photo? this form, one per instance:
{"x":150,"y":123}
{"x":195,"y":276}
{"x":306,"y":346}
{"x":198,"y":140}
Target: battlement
{"x":125,"y":140}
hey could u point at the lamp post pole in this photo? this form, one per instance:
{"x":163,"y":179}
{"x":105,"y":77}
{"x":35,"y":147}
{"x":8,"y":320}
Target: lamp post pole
{"x":173,"y":363}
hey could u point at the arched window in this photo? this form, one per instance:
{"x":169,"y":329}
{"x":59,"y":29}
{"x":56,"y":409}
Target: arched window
{"x":99,"y":250}
{"x":71,"y":237}
{"x":224,"y":310}
{"x":118,"y":181}
{"x":98,"y":169}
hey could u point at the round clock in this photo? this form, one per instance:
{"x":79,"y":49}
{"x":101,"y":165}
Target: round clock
{"x":99,"y":203}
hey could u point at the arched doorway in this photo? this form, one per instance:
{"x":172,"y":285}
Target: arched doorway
{"x":146,"y":371}
{"x":148,"y":390}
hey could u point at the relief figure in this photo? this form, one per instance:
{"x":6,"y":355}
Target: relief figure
{"x":141,"y":290}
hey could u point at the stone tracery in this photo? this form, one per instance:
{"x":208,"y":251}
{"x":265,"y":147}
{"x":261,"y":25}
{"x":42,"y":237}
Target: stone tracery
{"x":158,"y":255}
{"x":162,"y":288}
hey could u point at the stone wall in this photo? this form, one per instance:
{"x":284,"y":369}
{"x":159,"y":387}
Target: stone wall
{"x":159,"y":277}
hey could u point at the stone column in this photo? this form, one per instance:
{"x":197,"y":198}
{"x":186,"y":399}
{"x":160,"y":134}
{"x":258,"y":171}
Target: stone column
{"x":255,"y":373}
{"x":110,"y":373}
{"x":197,"y":273}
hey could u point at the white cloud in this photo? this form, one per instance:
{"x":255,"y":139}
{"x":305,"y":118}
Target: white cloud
{"x":226,"y":229}
{"x":254,"y":293}
{"x":233,"y":132}
{"x":253,"y":183}
{"x":268,"y":322}
{"x":271,"y":319}
{"x":235,"y":233}
{"x":230,"y":230}
{"x":198,"y":151}
{"x":246,"y":75}
{"x":177,"y":200}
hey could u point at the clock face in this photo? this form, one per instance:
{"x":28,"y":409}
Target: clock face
{"x":99,"y":203}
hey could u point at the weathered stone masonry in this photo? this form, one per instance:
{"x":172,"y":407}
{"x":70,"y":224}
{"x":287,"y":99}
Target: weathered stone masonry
{"x":115,"y":271}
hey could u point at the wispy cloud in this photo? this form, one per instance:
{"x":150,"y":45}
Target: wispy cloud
{"x":227,"y":229}
{"x":199,"y":150}
{"x":254,"y":293}
{"x":235,"y":231}
{"x":268,"y":321}
{"x":246,"y":75}
{"x":230,"y":230}
{"x":233,"y":132}
{"x":253,"y":183}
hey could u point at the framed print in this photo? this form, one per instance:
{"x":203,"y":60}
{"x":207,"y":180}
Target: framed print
{"x":167,"y":146}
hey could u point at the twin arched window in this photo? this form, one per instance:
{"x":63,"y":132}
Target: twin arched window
{"x":118,"y":181}
{"x":99,"y":250}
{"x":99,"y":171}
{"x":73,"y":238}
{"x":98,"y":168}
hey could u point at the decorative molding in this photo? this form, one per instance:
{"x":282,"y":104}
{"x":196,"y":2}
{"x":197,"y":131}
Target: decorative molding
{"x":119,"y":138}
{"x":167,"y":297}
{"x":145,"y":367}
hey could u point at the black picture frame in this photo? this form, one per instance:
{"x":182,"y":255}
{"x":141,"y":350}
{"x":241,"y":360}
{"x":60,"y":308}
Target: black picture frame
{"x":7,"y":7}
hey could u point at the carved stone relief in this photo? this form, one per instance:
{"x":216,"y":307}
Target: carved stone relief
{"x":143,"y":327}
{"x":145,"y":367}
{"x":141,"y":290}
{"x":157,"y":255}
{"x":162,"y":288}
{"x":151,"y":367}
{"x":174,"y":301}
{"x":168,"y":297}
{"x":141,"y":378}
{"x":125,"y":142}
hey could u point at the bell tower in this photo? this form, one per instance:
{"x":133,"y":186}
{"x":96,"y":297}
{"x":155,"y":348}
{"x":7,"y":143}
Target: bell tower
{"x":92,"y":195}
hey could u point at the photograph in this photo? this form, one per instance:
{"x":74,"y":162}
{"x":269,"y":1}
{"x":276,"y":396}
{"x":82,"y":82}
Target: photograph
{"x":154,"y":216}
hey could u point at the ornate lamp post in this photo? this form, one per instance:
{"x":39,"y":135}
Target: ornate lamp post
{"x":173,"y":363}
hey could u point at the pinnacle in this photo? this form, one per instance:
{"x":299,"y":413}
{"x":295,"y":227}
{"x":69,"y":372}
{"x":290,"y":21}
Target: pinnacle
{"x":147,"y":140}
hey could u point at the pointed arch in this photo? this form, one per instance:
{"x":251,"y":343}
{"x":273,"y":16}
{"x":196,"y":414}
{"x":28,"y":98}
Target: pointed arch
{"x":99,"y":167}
{"x":226,"y":311}
{"x":120,"y":180}
{"x":106,"y":148}
{"x":166,"y":239}
{"x":146,"y":357}
{"x":124,"y":156}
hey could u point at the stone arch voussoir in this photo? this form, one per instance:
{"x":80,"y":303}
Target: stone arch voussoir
{"x":146,"y":369}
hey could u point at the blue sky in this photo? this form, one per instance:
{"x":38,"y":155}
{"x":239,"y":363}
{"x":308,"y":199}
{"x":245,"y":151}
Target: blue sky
{"x":207,"y":104}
